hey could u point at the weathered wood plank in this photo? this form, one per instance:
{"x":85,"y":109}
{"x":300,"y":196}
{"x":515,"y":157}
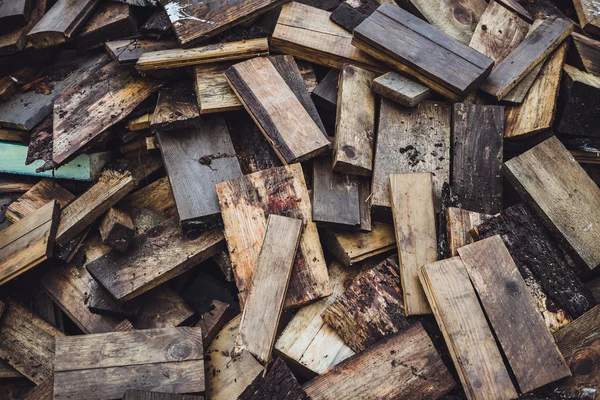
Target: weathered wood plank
{"x":580,"y":111}
{"x":214,"y":320}
{"x":588,"y":12}
{"x":117,"y":229}
{"x":133,"y":394}
{"x":352,"y":247}
{"x":39,"y":195}
{"x":588,"y":52}
{"x":16,"y":40}
{"x":517,"y":8}
{"x":278,"y":382}
{"x":459,"y":223}
{"x":156,"y":196}
{"x":477,"y":150}
{"x":163,"y":252}
{"x":325,"y":94}
{"x":387,"y":371}
{"x":350,"y":14}
{"x":129,"y":51}
{"x":527,"y":344}
{"x":177,"y":108}
{"x":14,"y":14}
{"x":212,"y":89}
{"x":272,"y":273}
{"x":245,"y":204}
{"x":400,"y":89}
{"x":111,"y":21}
{"x":559,"y":190}
{"x":416,"y":239}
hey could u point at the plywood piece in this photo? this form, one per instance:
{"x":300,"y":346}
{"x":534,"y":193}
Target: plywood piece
{"x":352,"y":247}
{"x":39,"y":195}
{"x":400,"y":89}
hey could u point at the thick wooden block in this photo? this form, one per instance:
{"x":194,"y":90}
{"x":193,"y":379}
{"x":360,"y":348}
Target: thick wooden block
{"x":269,"y":285}
{"x":27,"y":342}
{"x":352,"y":247}
{"x":176,"y":108}
{"x":246,"y":203}
{"x":471,"y":343}
{"x":61,"y":22}
{"x":307,"y":342}
{"x":559,"y":190}
{"x":39,"y":195}
{"x":162,"y":252}
{"x":127,"y":52}
{"x":580,"y":112}
{"x":526,"y":342}
{"x":110,"y":22}
{"x":400,"y":89}
{"x":370,"y":308}
{"x":307,"y":33}
{"x":589,"y":18}
{"x":532,"y":50}
{"x":117,"y":229}
{"x":196,"y":159}
{"x":212,"y":53}
{"x":420,"y":50}
{"x":355,"y":122}
{"x":387,"y":371}
{"x":14,"y":14}
{"x":278,"y":382}
{"x":459,"y":223}
{"x":414,"y":226}
{"x":28,"y":242}
{"x":588,"y":52}
{"x":477,"y":138}
{"x":104,"y":366}
{"x":410,"y":140}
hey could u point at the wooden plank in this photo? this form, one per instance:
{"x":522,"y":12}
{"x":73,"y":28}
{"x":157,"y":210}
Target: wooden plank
{"x":269,"y":285}
{"x":466,"y":331}
{"x":459,"y":224}
{"x":410,"y":140}
{"x":213,"y":91}
{"x":43,"y":391}
{"x":196,"y":159}
{"x":6,"y":371}
{"x":580,"y":110}
{"x":588,"y":12}
{"x":214,"y":320}
{"x":422,"y":51}
{"x":151,"y":359}
{"x":307,"y":33}
{"x":278,"y":382}
{"x":352,"y":247}
{"x":588,"y":52}
{"x":212,"y":53}
{"x":61,"y":22}
{"x":477,"y":138}
{"x":532,"y":50}
{"x":227,"y":375}
{"x":117,"y":229}
{"x":177,"y":108}
{"x":370,"y":309}
{"x":562,"y":193}
{"x":162,"y":307}
{"x":245,"y":204}
{"x":536,"y":112}
{"x":355,"y":122}
{"x":111,"y":21}
{"x":14,"y":14}
{"x":414,"y":226}
{"x":517,"y":8}
{"x":158,"y":25}
{"x":15,"y":40}
{"x":83,"y":211}
{"x":129,"y":51}
{"x":350,"y":14}
{"x":27,"y":342}
{"x":307,"y":342}
{"x":531,"y":245}
{"x":113,"y":92}
{"x":29,"y":242}
{"x":39,"y":195}
{"x":286,"y":123}
{"x":156,"y":196}
{"x":400,"y":89}
{"x":133,"y":394}
{"x":387,"y":371}
{"x":527,"y":344}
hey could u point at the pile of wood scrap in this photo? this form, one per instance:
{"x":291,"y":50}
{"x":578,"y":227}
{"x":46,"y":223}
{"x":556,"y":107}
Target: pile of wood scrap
{"x":310,"y":199}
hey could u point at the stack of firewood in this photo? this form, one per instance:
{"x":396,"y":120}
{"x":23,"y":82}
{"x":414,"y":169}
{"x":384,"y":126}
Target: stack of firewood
{"x":264,"y":199}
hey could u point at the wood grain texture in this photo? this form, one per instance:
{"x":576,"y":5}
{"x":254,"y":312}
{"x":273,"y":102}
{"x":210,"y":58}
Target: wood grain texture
{"x":195,"y":21}
{"x":28,"y":242}
{"x":156,"y":196}
{"x":208,"y":54}
{"x":588,"y":52}
{"x":110,"y":22}
{"x":471,"y":343}
{"x":307,"y":342}
{"x":580,"y":111}
{"x":245,"y":204}
{"x":39,"y":195}
{"x":286,"y":123}
{"x":162,"y":253}
{"x":416,"y":239}
{"x":129,"y":51}
{"x":83,"y":211}
{"x":272,"y":273}
{"x":517,"y":8}
{"x":43,"y":391}
{"x":459,"y":223}
{"x":176,"y":108}
{"x":411,"y":140}
{"x":61,"y":22}
{"x":422,"y":51}
{"x":213,"y":91}
{"x":571,"y":209}
{"x":196,"y":159}
{"x":156,"y":359}
{"x":536,"y":112}
{"x":477,"y":150}
{"x":350,"y":14}
{"x":527,"y":344}
{"x":113,"y":92}
{"x":370,"y":308}
{"x":162,"y":307}
{"x":588,"y":12}
{"x":400,"y":89}
{"x":405,"y":366}
{"x":355,"y":122}
{"x":27,"y":342}
{"x":352,"y":247}
{"x":530,"y":52}
{"x":307,"y":33}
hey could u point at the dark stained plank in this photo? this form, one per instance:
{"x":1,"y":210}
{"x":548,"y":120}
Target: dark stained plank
{"x":111,"y":21}
{"x":477,"y":149}
{"x":277,"y":383}
{"x":400,"y":89}
{"x":422,"y":51}
{"x":580,"y":111}
{"x":196,"y":159}
{"x":14,"y":14}
{"x":560,"y":191}
{"x":157,"y":25}
{"x":527,"y":344}
{"x":176,"y":108}
{"x":214,"y":320}
{"x":459,"y":224}
{"x":117,"y":229}
{"x":16,"y":40}
{"x":530,"y":52}
{"x":129,"y":51}
{"x":588,"y":52}
{"x":588,"y":14}
{"x":350,"y":14}
{"x":387,"y":371}
{"x":325,"y":94}
{"x":161,"y":307}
